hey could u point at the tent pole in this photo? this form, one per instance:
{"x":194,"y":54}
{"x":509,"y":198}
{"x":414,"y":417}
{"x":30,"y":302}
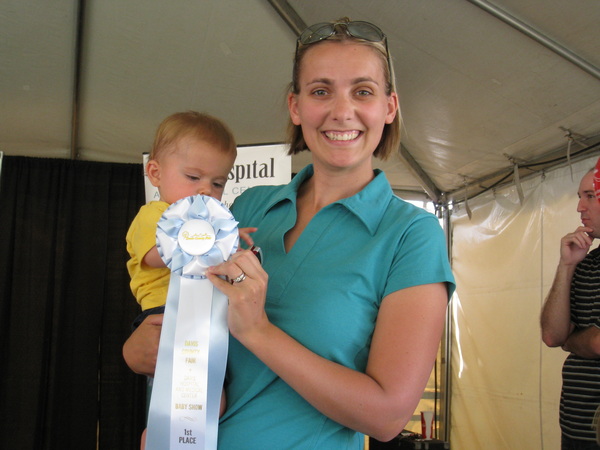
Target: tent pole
{"x":537,"y":36}
{"x":426,"y":182}
{"x":289,"y":15}
{"x":77,"y":79}
{"x":446,"y":375}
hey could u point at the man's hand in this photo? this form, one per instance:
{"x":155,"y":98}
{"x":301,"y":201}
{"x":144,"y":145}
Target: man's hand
{"x":575,"y":246}
{"x":555,"y":319}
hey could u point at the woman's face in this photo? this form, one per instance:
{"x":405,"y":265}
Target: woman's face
{"x":342,"y":106}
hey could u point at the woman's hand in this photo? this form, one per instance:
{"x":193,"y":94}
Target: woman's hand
{"x":246,"y":297}
{"x":141,"y":348}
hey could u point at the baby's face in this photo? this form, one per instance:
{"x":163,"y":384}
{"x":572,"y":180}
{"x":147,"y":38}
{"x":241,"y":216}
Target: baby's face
{"x":195,"y":167}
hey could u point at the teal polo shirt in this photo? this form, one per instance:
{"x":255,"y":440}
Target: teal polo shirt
{"x":325,"y":293}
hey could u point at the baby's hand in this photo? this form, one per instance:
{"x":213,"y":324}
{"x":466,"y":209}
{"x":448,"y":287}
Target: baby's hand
{"x":245,"y":235}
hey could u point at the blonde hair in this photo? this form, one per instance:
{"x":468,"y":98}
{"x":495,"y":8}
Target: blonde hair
{"x":390,"y":138}
{"x":195,"y":125}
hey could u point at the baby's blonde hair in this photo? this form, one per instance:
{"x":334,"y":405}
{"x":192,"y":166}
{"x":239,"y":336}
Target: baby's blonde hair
{"x":195,"y":125}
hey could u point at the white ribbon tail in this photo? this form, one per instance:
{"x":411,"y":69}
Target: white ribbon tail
{"x":185,"y":403}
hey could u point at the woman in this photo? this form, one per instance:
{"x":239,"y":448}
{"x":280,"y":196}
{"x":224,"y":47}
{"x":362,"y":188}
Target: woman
{"x":340,"y":337}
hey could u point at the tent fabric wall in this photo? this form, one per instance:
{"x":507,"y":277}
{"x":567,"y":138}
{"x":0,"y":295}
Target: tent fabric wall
{"x":65,"y":305}
{"x":505,"y":381}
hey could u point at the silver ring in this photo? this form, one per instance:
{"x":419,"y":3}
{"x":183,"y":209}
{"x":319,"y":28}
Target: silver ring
{"x":240,"y":278}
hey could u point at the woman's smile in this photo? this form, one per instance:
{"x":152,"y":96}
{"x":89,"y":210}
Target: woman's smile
{"x":342,"y":135}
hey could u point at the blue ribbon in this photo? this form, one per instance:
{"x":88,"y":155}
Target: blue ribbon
{"x":190,"y":370}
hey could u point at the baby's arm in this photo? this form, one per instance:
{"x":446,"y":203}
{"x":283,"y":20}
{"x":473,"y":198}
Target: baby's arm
{"x":223,"y":403}
{"x":245,"y":235}
{"x":153,"y":259}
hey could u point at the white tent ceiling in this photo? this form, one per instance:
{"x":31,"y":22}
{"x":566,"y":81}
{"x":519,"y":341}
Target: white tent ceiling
{"x":481,"y":84}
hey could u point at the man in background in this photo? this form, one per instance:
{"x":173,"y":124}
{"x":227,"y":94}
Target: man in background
{"x":571,"y":319}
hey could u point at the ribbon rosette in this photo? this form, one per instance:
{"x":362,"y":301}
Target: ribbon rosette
{"x":195,"y":233}
{"x":192,"y":234}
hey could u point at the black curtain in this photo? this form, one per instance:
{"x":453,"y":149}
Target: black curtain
{"x":65,"y":305}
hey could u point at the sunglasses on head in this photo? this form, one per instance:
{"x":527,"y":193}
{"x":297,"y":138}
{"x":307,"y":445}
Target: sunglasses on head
{"x":359,"y":29}
{"x":324,"y":30}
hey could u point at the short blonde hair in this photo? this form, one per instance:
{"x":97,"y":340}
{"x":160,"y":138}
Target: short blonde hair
{"x":390,"y":138}
{"x":195,"y":125}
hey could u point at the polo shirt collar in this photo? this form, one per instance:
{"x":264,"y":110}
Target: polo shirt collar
{"x":369,"y":205}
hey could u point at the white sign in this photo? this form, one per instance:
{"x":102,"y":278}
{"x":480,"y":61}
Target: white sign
{"x":254,"y":166}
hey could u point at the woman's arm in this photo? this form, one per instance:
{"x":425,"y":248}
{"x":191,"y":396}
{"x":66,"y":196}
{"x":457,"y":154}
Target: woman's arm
{"x":404,"y":347}
{"x":141,"y":348}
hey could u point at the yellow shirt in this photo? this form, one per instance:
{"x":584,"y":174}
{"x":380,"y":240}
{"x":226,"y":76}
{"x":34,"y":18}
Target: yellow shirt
{"x":148,"y":284}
